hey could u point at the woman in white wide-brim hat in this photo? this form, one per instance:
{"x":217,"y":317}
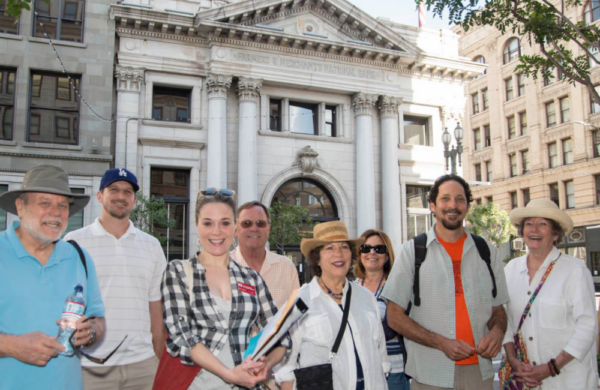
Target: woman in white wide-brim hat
{"x":554,"y":347}
{"x":361,"y":361}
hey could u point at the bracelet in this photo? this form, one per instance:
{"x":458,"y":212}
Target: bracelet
{"x":551,"y":368}
{"x":555,"y":366}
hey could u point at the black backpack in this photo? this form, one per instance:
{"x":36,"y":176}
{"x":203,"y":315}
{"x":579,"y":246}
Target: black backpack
{"x":81,"y":255}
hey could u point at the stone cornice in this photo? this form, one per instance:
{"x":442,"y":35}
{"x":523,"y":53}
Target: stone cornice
{"x":71,"y":157}
{"x":248,"y":89}
{"x":129,"y":79}
{"x":179,"y":144}
{"x":218,"y":86}
{"x":363,"y":103}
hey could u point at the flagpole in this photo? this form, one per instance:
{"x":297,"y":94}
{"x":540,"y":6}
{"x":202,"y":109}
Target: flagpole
{"x":421,"y":14}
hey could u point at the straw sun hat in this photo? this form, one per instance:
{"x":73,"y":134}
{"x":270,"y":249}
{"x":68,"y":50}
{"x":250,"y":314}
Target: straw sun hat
{"x":47,"y":179}
{"x":542,"y":208}
{"x":325,"y":233}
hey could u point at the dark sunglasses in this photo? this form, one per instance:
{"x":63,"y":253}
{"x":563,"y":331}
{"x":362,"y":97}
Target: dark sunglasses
{"x":91,"y":358}
{"x":223,"y":193}
{"x":379,"y":249}
{"x":247,"y":224}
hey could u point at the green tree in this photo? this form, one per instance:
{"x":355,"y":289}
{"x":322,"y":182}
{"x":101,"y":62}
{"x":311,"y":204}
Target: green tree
{"x":564,"y":43}
{"x":491,"y":222}
{"x":288,"y":225}
{"x":150,"y":213}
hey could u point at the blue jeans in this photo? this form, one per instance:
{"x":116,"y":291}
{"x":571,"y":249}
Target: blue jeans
{"x":398,"y":382}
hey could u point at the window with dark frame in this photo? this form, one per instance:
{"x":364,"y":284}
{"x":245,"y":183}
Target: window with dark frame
{"x":480,"y":60}
{"x":570,"y":194}
{"x":597,"y":180}
{"x":7,"y":22}
{"x":591,"y":11}
{"x":521,"y":84}
{"x":477,"y":138}
{"x":486,"y":99}
{"x":488,"y":167}
{"x":523,"y":123}
{"x":565,"y":109}
{"x":525,"y":161}
{"x":171,"y":104}
{"x":475,"y":100}
{"x":594,"y":107}
{"x":596,"y":143}
{"x":552,"y":155}
{"x":275,"y":114}
{"x":567,"y":145}
{"x":7,"y":102}
{"x":478,"y":201}
{"x":514,"y":202}
{"x":509,"y":88}
{"x":526,"y":196}
{"x":50,"y":119}
{"x":304,"y":118}
{"x":330,"y":121}
{"x":512,"y":50}
{"x":554,"y":193}
{"x":551,"y":79}
{"x":63,"y":21}
{"x":487,"y":136}
{"x":76,"y":220}
{"x":550,"y":114}
{"x":513,"y":164}
{"x":478,"y":172}
{"x":512,"y":128}
{"x":416,"y":130}
{"x":416,"y":196}
{"x":489,"y":199}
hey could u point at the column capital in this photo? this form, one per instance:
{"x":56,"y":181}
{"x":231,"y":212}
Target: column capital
{"x":363,"y":103}
{"x":388,"y":106}
{"x":218,"y":86}
{"x":248,"y":89}
{"x":450,"y":114}
{"x":129,"y":79}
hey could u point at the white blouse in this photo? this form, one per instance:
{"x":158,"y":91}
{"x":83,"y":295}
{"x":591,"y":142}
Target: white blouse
{"x":314,"y":334}
{"x":562,"y":317}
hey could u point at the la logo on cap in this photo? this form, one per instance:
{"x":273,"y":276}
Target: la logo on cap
{"x":122,"y":172}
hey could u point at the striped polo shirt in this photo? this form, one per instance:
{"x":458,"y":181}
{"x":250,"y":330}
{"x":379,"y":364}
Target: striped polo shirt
{"x":130,"y":271}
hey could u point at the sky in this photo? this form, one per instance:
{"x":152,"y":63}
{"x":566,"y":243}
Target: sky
{"x":399,"y":11}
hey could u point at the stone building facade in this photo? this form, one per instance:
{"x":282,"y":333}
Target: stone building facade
{"x":311,"y":102}
{"x":43,"y":120}
{"x":527,"y":139}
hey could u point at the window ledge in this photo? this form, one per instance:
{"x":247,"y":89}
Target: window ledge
{"x":179,"y":125}
{"x":58,"y":43}
{"x":411,"y":146}
{"x":8,"y":143}
{"x":40,"y":145}
{"x":308,"y":137}
{"x":11,"y":36}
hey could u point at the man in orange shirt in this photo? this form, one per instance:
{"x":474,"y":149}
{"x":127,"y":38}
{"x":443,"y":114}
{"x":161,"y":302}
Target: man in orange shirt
{"x":459,"y":325}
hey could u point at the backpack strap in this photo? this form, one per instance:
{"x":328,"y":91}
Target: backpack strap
{"x":420,"y":242}
{"x":484,"y":253}
{"x":81,"y":255}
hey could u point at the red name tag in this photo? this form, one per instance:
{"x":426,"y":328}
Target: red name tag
{"x":246,"y":288}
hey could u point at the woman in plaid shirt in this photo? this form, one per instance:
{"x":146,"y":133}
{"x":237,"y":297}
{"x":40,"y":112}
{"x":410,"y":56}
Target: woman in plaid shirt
{"x":212,"y":328}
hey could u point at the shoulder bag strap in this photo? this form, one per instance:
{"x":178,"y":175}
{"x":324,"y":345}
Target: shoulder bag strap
{"x":340,"y":334}
{"x":537,"y":290}
{"x":81,"y":255}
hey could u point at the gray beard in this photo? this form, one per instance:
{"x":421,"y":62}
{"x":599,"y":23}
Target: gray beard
{"x":39,"y":237}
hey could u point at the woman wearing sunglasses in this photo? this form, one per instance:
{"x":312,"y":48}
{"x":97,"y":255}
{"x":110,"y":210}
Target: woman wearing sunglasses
{"x":373,"y":266}
{"x":211,"y":328}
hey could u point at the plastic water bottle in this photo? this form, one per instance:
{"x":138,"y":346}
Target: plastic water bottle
{"x":73,"y":310}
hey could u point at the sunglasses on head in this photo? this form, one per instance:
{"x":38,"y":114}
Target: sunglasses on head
{"x":91,"y":358}
{"x":220,"y":194}
{"x":247,"y":224}
{"x":379,"y":249}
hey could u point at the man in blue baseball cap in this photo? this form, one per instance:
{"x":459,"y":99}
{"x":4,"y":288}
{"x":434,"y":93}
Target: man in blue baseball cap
{"x":130,"y":265}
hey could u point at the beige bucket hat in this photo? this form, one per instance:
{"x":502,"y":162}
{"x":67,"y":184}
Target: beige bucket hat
{"x":48,"y":179}
{"x":325,"y":233}
{"x":542,"y":208}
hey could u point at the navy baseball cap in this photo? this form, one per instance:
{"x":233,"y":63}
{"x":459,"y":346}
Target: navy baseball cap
{"x":118,"y":174}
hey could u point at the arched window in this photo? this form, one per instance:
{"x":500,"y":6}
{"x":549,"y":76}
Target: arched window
{"x":480,"y":60}
{"x":318,"y":203}
{"x":512,"y":50}
{"x":591,"y":11}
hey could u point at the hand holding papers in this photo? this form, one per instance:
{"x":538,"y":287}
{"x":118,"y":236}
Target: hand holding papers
{"x":277,"y":327}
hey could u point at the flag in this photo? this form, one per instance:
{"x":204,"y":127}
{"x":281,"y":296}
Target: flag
{"x":422,"y":20}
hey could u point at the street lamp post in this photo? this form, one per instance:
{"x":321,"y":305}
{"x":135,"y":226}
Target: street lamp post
{"x":451,"y":154}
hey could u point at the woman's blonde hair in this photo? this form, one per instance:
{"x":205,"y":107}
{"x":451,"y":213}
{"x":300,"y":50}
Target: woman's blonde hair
{"x":359,"y":269}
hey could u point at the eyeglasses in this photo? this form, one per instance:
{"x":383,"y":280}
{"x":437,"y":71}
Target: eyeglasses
{"x":91,"y":358}
{"x":223,"y":193}
{"x":247,"y":224}
{"x":379,"y":249}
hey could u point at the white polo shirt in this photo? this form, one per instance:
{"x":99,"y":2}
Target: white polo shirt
{"x":130,"y":271}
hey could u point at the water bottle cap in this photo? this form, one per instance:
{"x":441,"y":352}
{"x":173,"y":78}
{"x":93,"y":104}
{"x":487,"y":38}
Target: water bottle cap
{"x":79,"y":288}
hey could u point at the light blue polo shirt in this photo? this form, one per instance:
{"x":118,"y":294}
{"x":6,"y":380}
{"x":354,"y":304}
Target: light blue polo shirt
{"x":32,"y":297}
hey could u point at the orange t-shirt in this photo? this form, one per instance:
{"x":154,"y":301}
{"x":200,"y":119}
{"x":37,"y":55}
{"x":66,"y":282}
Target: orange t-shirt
{"x":463,"y":323}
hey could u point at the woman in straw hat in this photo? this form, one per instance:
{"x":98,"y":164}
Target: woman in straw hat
{"x":552,"y":321}
{"x":361,"y":360}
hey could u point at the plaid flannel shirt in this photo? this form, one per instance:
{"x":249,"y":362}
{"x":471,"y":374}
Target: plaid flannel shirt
{"x":202,"y":322}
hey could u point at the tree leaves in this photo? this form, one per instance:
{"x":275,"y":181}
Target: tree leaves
{"x":289,"y":224}
{"x":491,"y":222}
{"x":150,"y":212}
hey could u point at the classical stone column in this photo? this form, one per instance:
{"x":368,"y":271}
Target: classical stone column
{"x":365,"y":171}
{"x":129,"y":85}
{"x":216,"y":165}
{"x":248,"y":92}
{"x":390,"y":172}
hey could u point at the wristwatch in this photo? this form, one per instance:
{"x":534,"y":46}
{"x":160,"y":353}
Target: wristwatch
{"x":92,"y":337}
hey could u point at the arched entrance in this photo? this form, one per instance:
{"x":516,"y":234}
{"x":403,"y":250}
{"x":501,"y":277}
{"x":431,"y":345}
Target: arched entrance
{"x":318,"y":203}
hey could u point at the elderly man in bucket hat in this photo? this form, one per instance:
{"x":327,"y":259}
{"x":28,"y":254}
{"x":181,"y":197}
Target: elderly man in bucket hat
{"x":38,"y":271}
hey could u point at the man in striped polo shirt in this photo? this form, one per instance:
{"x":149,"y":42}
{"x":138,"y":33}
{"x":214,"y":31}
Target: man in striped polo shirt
{"x":130,"y":266}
